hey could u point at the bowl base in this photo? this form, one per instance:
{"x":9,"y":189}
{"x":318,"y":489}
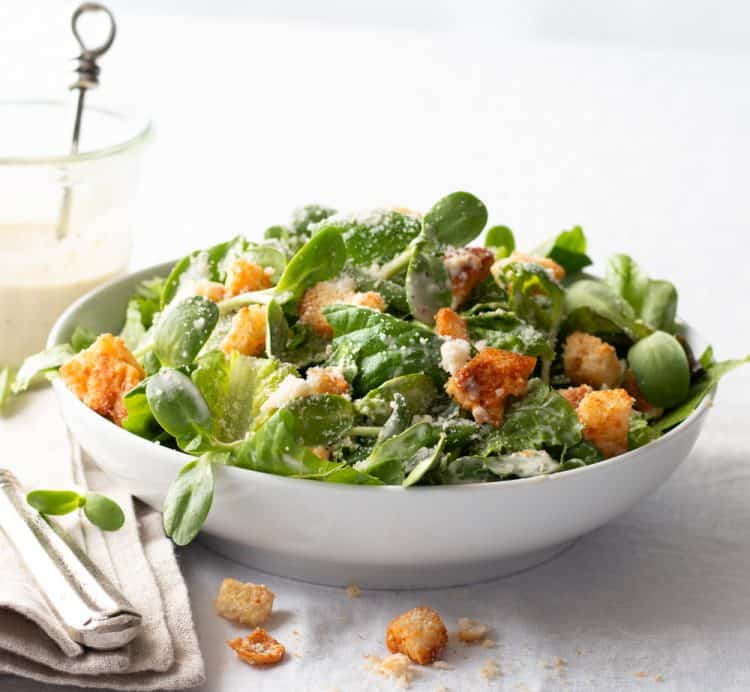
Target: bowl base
{"x":379,"y":576}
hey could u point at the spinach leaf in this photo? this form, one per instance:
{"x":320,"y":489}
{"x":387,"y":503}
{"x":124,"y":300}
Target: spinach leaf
{"x":393,"y":459}
{"x":103,"y":512}
{"x":639,"y":431}
{"x":6,"y":382}
{"x":626,"y":279}
{"x":500,"y":240}
{"x":568,"y":249}
{"x":422,"y":462}
{"x":393,"y":294}
{"x":183,"y":329}
{"x":417,"y":389}
{"x":698,"y":391}
{"x":542,"y":419}
{"x":139,"y":419}
{"x":428,"y":285}
{"x":373,"y":347}
{"x":55,"y":502}
{"x":321,"y":418}
{"x":581,"y":454}
{"x":399,"y":419}
{"x":500,"y":328}
{"x":533,"y":295}
{"x":660,"y":305}
{"x":456,"y":219}
{"x":661,"y":369}
{"x":275,"y":448}
{"x":40,"y":363}
{"x":376,"y":236}
{"x":321,"y":258}
{"x":292,"y":237}
{"x":189,"y":499}
{"x":179,"y":408}
{"x":298,"y":344}
{"x":201,"y":264}
{"x":468,"y":469}
{"x":522,"y":464}
{"x":592,"y":307}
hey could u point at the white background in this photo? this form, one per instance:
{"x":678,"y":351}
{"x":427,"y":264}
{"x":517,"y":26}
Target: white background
{"x":629,"y":118}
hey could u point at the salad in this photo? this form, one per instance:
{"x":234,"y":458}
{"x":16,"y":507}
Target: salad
{"x":382,"y":348}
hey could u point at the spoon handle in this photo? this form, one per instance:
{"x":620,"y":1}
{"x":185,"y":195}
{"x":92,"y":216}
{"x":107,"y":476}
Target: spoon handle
{"x":90,"y":607}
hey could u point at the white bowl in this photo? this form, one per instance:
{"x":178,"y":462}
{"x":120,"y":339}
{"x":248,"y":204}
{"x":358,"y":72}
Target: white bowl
{"x":377,"y":537}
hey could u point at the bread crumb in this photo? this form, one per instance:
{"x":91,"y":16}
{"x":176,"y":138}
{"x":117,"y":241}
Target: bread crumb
{"x":396,"y":666}
{"x":489,"y":644}
{"x":490,"y":670}
{"x":441,"y":688}
{"x":442,"y":665}
{"x":419,"y":633}
{"x":258,"y":648}
{"x":641,"y":674}
{"x":659,"y":678}
{"x":353,"y":591}
{"x":245,"y":604}
{"x":471,"y":632}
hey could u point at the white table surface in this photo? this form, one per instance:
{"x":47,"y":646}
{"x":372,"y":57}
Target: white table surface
{"x":647,"y":148}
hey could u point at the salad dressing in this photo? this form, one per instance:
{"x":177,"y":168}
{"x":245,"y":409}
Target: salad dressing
{"x":40,"y":276}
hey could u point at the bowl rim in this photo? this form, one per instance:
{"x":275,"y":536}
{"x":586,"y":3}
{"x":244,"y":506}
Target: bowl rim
{"x":182,"y":458}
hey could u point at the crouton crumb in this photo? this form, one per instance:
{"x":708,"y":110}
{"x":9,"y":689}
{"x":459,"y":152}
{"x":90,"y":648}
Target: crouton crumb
{"x":484,"y":383}
{"x":658,"y":678}
{"x":212,"y":290}
{"x":396,"y":666}
{"x":450,"y":323}
{"x":606,"y":418}
{"x":258,"y":648}
{"x":247,"y":334}
{"x":442,"y":665}
{"x":489,"y":643}
{"x":471,"y":632}
{"x":419,"y":633}
{"x":589,"y":360}
{"x":490,"y":670}
{"x":245,"y":604}
{"x":575,"y":395}
{"x":353,"y":591}
{"x":102,"y":374}
{"x":244,"y":276}
{"x":641,"y":674}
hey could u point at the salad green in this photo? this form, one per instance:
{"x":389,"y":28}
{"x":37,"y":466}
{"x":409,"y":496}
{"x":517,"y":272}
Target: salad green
{"x":379,"y":349}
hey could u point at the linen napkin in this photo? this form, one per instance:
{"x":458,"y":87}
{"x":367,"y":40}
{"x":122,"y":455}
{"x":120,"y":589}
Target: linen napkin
{"x":138,"y":558}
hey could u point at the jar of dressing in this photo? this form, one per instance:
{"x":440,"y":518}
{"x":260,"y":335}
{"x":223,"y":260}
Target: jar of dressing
{"x":65,"y":219}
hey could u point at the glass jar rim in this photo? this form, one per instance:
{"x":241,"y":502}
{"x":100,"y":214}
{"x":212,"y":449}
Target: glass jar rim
{"x":141,"y":126}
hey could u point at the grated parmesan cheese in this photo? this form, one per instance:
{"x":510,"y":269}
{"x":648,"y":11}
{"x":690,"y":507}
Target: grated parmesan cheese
{"x":454,"y":354}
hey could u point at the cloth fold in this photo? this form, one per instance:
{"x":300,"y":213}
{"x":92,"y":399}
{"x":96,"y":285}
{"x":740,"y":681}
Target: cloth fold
{"x":138,"y":558}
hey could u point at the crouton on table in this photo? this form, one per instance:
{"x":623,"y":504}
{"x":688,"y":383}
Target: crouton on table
{"x":419,"y":633}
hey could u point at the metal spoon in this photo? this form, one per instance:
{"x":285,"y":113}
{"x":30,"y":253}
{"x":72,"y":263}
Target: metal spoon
{"x":88,"y":78}
{"x":91,"y":608}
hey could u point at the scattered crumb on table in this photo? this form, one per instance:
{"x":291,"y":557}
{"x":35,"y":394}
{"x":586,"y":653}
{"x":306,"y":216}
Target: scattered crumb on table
{"x":353,"y":591}
{"x":490,"y":670}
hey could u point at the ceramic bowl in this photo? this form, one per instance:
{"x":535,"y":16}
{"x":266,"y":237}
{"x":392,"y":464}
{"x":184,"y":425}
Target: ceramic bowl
{"x":377,"y":537}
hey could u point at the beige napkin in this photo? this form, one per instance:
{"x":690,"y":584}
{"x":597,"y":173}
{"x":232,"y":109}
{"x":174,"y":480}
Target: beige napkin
{"x":138,"y":558}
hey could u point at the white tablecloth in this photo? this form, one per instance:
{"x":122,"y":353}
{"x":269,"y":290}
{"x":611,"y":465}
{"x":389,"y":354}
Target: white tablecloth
{"x":647,"y":149}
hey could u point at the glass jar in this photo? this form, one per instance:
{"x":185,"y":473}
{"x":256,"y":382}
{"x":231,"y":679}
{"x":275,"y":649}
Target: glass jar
{"x":65,"y":219}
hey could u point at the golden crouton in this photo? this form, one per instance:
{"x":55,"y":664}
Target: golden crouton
{"x":467,"y":268}
{"x":419,"y":633}
{"x":606,"y":418}
{"x":329,"y":293}
{"x":247,"y":334}
{"x":321,"y":452}
{"x":246,"y":604}
{"x":326,"y":381}
{"x":574,"y":395}
{"x":244,"y":276}
{"x":471,"y":632}
{"x":449,"y":323}
{"x":589,"y":360}
{"x":258,"y":648}
{"x":554,"y":268}
{"x":102,"y":374}
{"x":483,"y":384}
{"x":212,"y":290}
{"x":640,"y":401}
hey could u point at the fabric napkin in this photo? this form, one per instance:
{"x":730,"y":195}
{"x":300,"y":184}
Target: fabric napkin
{"x":138,"y":558}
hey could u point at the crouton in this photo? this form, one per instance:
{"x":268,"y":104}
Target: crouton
{"x":606,"y":418}
{"x":484,"y":383}
{"x":328,"y":380}
{"x":244,"y":276}
{"x":467,"y":268}
{"x":574,"y":395}
{"x":258,"y":648}
{"x":557,"y":271}
{"x":419,"y":633}
{"x":212,"y":290}
{"x":246,"y":604}
{"x":640,"y":401}
{"x":100,"y":375}
{"x":589,"y":360}
{"x":471,"y":632}
{"x":321,"y":452}
{"x":330,"y":293}
{"x":450,"y":323}
{"x":247,"y":334}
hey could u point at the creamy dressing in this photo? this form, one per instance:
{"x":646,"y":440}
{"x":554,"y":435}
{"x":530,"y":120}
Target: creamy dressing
{"x":40,"y":276}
